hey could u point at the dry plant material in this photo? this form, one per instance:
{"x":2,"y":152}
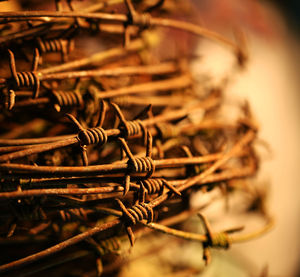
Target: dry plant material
{"x":95,"y":148}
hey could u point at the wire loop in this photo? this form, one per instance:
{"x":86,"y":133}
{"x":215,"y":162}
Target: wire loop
{"x":136,"y":213}
{"x":219,"y":240}
{"x":96,"y":135}
{"x":133,"y":215}
{"x":156,"y":185}
{"x":68,"y":98}
{"x":132,"y":128}
{"x":141,"y":165}
{"x":63,"y":46}
{"x":27,"y":79}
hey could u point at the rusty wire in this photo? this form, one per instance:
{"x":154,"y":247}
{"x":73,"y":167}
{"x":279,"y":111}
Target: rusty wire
{"x":121,"y":136}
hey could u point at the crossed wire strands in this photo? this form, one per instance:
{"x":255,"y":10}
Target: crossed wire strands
{"x":34,"y":78}
{"x":140,"y":211}
{"x":97,"y":137}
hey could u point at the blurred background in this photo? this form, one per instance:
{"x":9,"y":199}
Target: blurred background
{"x":271,"y":84}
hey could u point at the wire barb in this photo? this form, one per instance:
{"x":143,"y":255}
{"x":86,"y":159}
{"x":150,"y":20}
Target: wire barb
{"x":137,"y":165}
{"x":135,"y":18}
{"x":59,"y":45}
{"x":135,"y":214}
{"x":129,"y":128}
{"x":88,"y":136}
{"x":217,"y":240}
{"x":156,"y":185}
{"x":67,"y":99}
{"x":28,"y":79}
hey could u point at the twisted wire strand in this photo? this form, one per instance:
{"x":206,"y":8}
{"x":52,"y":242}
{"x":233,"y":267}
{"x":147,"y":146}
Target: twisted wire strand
{"x":133,"y":215}
{"x":142,"y":165}
{"x":136,"y":213}
{"x":52,"y":45}
{"x":135,"y":18}
{"x":129,"y":128}
{"x":156,"y":185}
{"x":88,"y":136}
{"x":132,"y":128}
{"x":65,"y":215}
{"x":96,"y":135}
{"x":28,"y":79}
{"x":219,"y":240}
{"x":68,"y":98}
{"x":58,"y":45}
{"x":153,"y":186}
{"x":141,"y":19}
{"x":213,"y":240}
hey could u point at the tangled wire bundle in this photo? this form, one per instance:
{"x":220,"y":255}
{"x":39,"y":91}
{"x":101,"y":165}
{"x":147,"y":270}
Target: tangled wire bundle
{"x":100,"y":149}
